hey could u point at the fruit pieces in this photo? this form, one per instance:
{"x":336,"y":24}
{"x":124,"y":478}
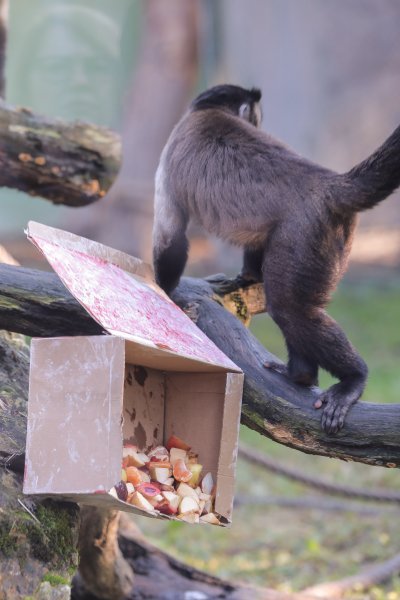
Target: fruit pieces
{"x":175,"y":442}
{"x":180,"y":471}
{"x":138,"y":500}
{"x":132,"y":458}
{"x":159,"y":453}
{"x":133,"y":475}
{"x":167,"y":480}
{"x":159,"y":471}
{"x":196,"y":470}
{"x":177,"y":453}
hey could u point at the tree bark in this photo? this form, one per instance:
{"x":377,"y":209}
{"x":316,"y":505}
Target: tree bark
{"x":272,"y":405}
{"x":163,"y":82}
{"x":72,"y":164}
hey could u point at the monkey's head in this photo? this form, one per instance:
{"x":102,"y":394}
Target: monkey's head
{"x":237,"y":100}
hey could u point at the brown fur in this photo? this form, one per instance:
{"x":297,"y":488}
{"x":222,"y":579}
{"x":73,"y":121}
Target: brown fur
{"x":294,"y":218}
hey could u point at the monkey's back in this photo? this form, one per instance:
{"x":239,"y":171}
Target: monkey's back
{"x":234,"y":179}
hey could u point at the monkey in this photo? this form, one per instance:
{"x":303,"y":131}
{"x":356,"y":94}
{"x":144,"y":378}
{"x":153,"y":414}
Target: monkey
{"x":294,"y":219}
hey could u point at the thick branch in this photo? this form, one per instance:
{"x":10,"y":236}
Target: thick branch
{"x":73,"y":164}
{"x":272,"y":405}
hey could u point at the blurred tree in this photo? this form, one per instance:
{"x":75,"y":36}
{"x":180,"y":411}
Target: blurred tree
{"x":3,"y":41}
{"x":69,"y":65}
{"x":164,"y":79}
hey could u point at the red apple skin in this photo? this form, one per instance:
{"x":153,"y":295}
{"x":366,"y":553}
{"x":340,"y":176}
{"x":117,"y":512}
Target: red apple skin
{"x":166,"y":509}
{"x":175,"y":442}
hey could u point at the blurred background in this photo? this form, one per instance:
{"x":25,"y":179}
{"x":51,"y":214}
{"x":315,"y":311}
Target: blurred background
{"x":330,"y":76}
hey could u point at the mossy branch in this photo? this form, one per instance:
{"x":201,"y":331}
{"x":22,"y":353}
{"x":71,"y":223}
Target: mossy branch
{"x":36,"y":303}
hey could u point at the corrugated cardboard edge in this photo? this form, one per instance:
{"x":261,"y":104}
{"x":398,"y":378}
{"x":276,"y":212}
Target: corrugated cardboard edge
{"x":56,"y":390}
{"x":137,"y":269}
{"x":132,"y":265}
{"x":108,"y":501}
{"x":229,"y":445}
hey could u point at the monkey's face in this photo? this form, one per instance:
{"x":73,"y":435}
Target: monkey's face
{"x":236,"y":100}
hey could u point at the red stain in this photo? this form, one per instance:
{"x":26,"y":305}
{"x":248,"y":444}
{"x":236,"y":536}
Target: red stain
{"x":121,"y":303}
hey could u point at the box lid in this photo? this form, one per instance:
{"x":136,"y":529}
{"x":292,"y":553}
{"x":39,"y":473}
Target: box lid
{"x":120,"y":293}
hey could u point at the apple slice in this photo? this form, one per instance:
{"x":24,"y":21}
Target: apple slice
{"x":160,"y":453}
{"x":113,"y":492}
{"x":190,"y":517}
{"x":177,"y":453}
{"x":159,"y":471}
{"x":130,"y":488}
{"x":207,"y":484}
{"x":210,"y":518}
{"x":165,"y":487}
{"x":133,"y":475}
{"x":132,"y":458}
{"x":204,"y":496}
{"x":138,"y":500}
{"x":175,"y":442}
{"x":180,"y":471}
{"x":195,"y":469}
{"x":184,"y":489}
{"x":144,"y":476}
{"x":156,"y":501}
{"x":188,"y":505}
{"x":173,"y":501}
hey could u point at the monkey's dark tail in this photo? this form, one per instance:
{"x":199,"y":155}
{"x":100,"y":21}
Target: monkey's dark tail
{"x":376,"y":177}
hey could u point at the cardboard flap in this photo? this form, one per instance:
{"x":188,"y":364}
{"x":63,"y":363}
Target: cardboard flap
{"x":120,"y":293}
{"x":74,"y":439}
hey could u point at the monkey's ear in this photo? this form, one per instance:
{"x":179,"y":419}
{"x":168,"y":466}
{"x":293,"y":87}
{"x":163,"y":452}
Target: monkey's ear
{"x":245,"y":111}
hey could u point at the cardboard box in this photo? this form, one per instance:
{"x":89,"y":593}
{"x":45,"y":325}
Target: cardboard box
{"x":154,"y":375}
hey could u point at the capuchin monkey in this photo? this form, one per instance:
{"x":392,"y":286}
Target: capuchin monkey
{"x":294,"y":219}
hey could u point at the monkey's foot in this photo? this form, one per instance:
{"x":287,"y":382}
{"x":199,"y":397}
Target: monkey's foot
{"x":336,"y":403}
{"x":277,"y":367}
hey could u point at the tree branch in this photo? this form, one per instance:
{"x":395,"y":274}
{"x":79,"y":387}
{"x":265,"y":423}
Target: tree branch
{"x":72,"y":164}
{"x":272,"y":405}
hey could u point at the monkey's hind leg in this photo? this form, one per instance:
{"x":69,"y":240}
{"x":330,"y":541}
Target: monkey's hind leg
{"x":311,"y":333}
{"x":252,"y":264}
{"x":299,"y":369}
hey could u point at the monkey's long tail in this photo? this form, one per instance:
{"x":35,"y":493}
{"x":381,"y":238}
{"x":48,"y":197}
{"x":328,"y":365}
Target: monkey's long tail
{"x":376,"y":177}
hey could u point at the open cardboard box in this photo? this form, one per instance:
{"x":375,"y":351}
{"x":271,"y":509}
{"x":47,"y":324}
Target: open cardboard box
{"x":154,"y":375}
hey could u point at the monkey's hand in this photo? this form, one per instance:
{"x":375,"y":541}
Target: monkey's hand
{"x":337,"y":401}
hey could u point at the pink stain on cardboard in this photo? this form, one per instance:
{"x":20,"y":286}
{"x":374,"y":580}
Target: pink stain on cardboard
{"x":121,"y":303}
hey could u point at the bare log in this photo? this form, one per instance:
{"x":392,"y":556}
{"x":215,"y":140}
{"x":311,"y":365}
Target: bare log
{"x":68,"y":163}
{"x":272,"y":405}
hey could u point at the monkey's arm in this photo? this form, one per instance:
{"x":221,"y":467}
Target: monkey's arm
{"x":170,"y":244}
{"x":252,"y":264}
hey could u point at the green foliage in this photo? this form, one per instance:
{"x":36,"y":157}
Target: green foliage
{"x":54,"y":579}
